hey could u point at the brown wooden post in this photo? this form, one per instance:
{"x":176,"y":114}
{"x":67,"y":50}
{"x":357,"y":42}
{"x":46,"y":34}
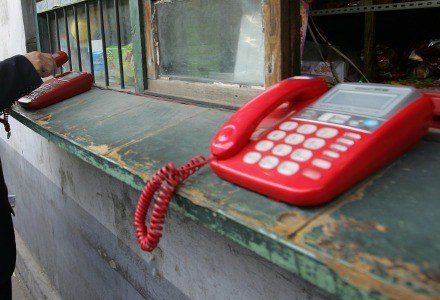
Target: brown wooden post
{"x":278,"y":39}
{"x":369,"y":45}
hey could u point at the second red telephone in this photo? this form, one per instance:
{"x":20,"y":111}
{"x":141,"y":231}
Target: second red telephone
{"x":59,"y":88}
{"x":300,"y":143}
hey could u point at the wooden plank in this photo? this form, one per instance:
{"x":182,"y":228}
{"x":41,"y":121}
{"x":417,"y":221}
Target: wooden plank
{"x":150,"y":37}
{"x":138,"y":45}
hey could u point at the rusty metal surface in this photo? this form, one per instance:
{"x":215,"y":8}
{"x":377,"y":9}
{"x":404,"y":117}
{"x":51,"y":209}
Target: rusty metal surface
{"x":379,"y":240}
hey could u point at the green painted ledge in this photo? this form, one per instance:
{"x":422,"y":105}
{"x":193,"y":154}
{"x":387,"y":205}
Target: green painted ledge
{"x":380,"y":240}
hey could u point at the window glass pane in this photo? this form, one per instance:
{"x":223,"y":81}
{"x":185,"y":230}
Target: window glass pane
{"x":216,"y":40}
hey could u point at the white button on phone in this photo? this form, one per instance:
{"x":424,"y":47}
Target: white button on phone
{"x":276,"y":135}
{"x":345,"y":142}
{"x":331,"y":154}
{"x":252,"y":158}
{"x":288,"y":168}
{"x":352,"y":135}
{"x":325,"y":117}
{"x":338,"y":147}
{"x":269,"y":162}
{"x":294,"y":139}
{"x":307,"y":129}
{"x":320,"y":163}
{"x":312,"y":174}
{"x":327,"y":133}
{"x":288,"y":126}
{"x":264,"y":145}
{"x":282,"y":150}
{"x":301,"y":155}
{"x":314,"y":143}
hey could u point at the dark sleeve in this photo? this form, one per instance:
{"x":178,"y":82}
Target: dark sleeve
{"x":18,"y":77}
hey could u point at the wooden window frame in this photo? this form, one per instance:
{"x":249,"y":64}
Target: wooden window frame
{"x":281,"y":26}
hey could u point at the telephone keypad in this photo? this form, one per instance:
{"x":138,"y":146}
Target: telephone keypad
{"x":48,"y":85}
{"x":288,"y":126}
{"x":331,"y":154}
{"x":264,"y":145}
{"x":307,"y":129}
{"x":310,"y":150}
{"x":338,"y":147}
{"x":282,"y":150}
{"x":327,"y":133}
{"x":276,"y":135}
{"x":301,"y":155}
{"x":345,"y":142}
{"x":294,"y":139}
{"x":269,"y":162}
{"x":314,"y":143}
{"x":312,"y":174}
{"x":288,"y":168}
{"x":320,"y":163}
{"x":252,"y":158}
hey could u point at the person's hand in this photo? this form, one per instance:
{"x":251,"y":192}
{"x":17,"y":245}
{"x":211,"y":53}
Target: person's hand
{"x":42,"y":62}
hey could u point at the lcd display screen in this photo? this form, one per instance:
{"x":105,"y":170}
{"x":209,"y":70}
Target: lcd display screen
{"x":361,"y":100}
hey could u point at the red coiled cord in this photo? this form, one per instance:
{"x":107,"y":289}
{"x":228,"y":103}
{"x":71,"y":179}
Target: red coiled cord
{"x":166,"y":179}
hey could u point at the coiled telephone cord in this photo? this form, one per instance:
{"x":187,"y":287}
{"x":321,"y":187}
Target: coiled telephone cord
{"x":164,"y":183}
{"x":5,"y":112}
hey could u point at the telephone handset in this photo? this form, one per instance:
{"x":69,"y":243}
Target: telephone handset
{"x":329,"y":141}
{"x":59,"y":88}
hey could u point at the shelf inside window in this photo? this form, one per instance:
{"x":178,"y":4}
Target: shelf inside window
{"x":376,"y":8}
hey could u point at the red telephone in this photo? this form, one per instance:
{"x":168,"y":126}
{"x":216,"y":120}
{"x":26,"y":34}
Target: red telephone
{"x":59,"y":88}
{"x":322,"y":143}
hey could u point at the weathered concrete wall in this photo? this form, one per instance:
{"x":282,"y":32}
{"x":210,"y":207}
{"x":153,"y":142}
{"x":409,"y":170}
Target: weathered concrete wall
{"x":77,"y":223}
{"x":12,"y":34}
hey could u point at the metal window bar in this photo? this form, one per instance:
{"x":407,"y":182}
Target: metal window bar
{"x":104,"y":52}
{"x":67,"y":37}
{"x":57,"y":43}
{"x":78,"y":45}
{"x":57,"y":26}
{"x":118,"y":35}
{"x":89,"y":40}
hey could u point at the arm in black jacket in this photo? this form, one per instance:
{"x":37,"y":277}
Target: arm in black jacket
{"x":18,"y":77}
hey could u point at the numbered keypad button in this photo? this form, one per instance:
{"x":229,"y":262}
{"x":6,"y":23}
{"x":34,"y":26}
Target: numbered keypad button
{"x":345,"y":142}
{"x":352,"y":135}
{"x":307,"y":129}
{"x":276,"y":135}
{"x":331,"y":154}
{"x":252,"y":158}
{"x":287,"y":126}
{"x":314,"y":143}
{"x":264,"y":145}
{"x":282,"y":150}
{"x":269,"y":162}
{"x":320,"y":163}
{"x":327,"y":133}
{"x":337,"y":147}
{"x":288,"y":168}
{"x":301,"y":155}
{"x":312,"y":174}
{"x":294,"y":139}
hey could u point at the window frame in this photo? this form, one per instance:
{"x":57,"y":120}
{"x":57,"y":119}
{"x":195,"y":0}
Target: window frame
{"x":281,"y":25}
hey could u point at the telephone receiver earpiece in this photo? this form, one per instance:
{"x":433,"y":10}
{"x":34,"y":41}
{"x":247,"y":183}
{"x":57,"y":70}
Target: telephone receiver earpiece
{"x":236,"y":132}
{"x":60,"y":58}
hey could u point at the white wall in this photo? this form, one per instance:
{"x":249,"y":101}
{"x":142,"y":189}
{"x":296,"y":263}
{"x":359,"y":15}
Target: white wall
{"x":12,"y":34}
